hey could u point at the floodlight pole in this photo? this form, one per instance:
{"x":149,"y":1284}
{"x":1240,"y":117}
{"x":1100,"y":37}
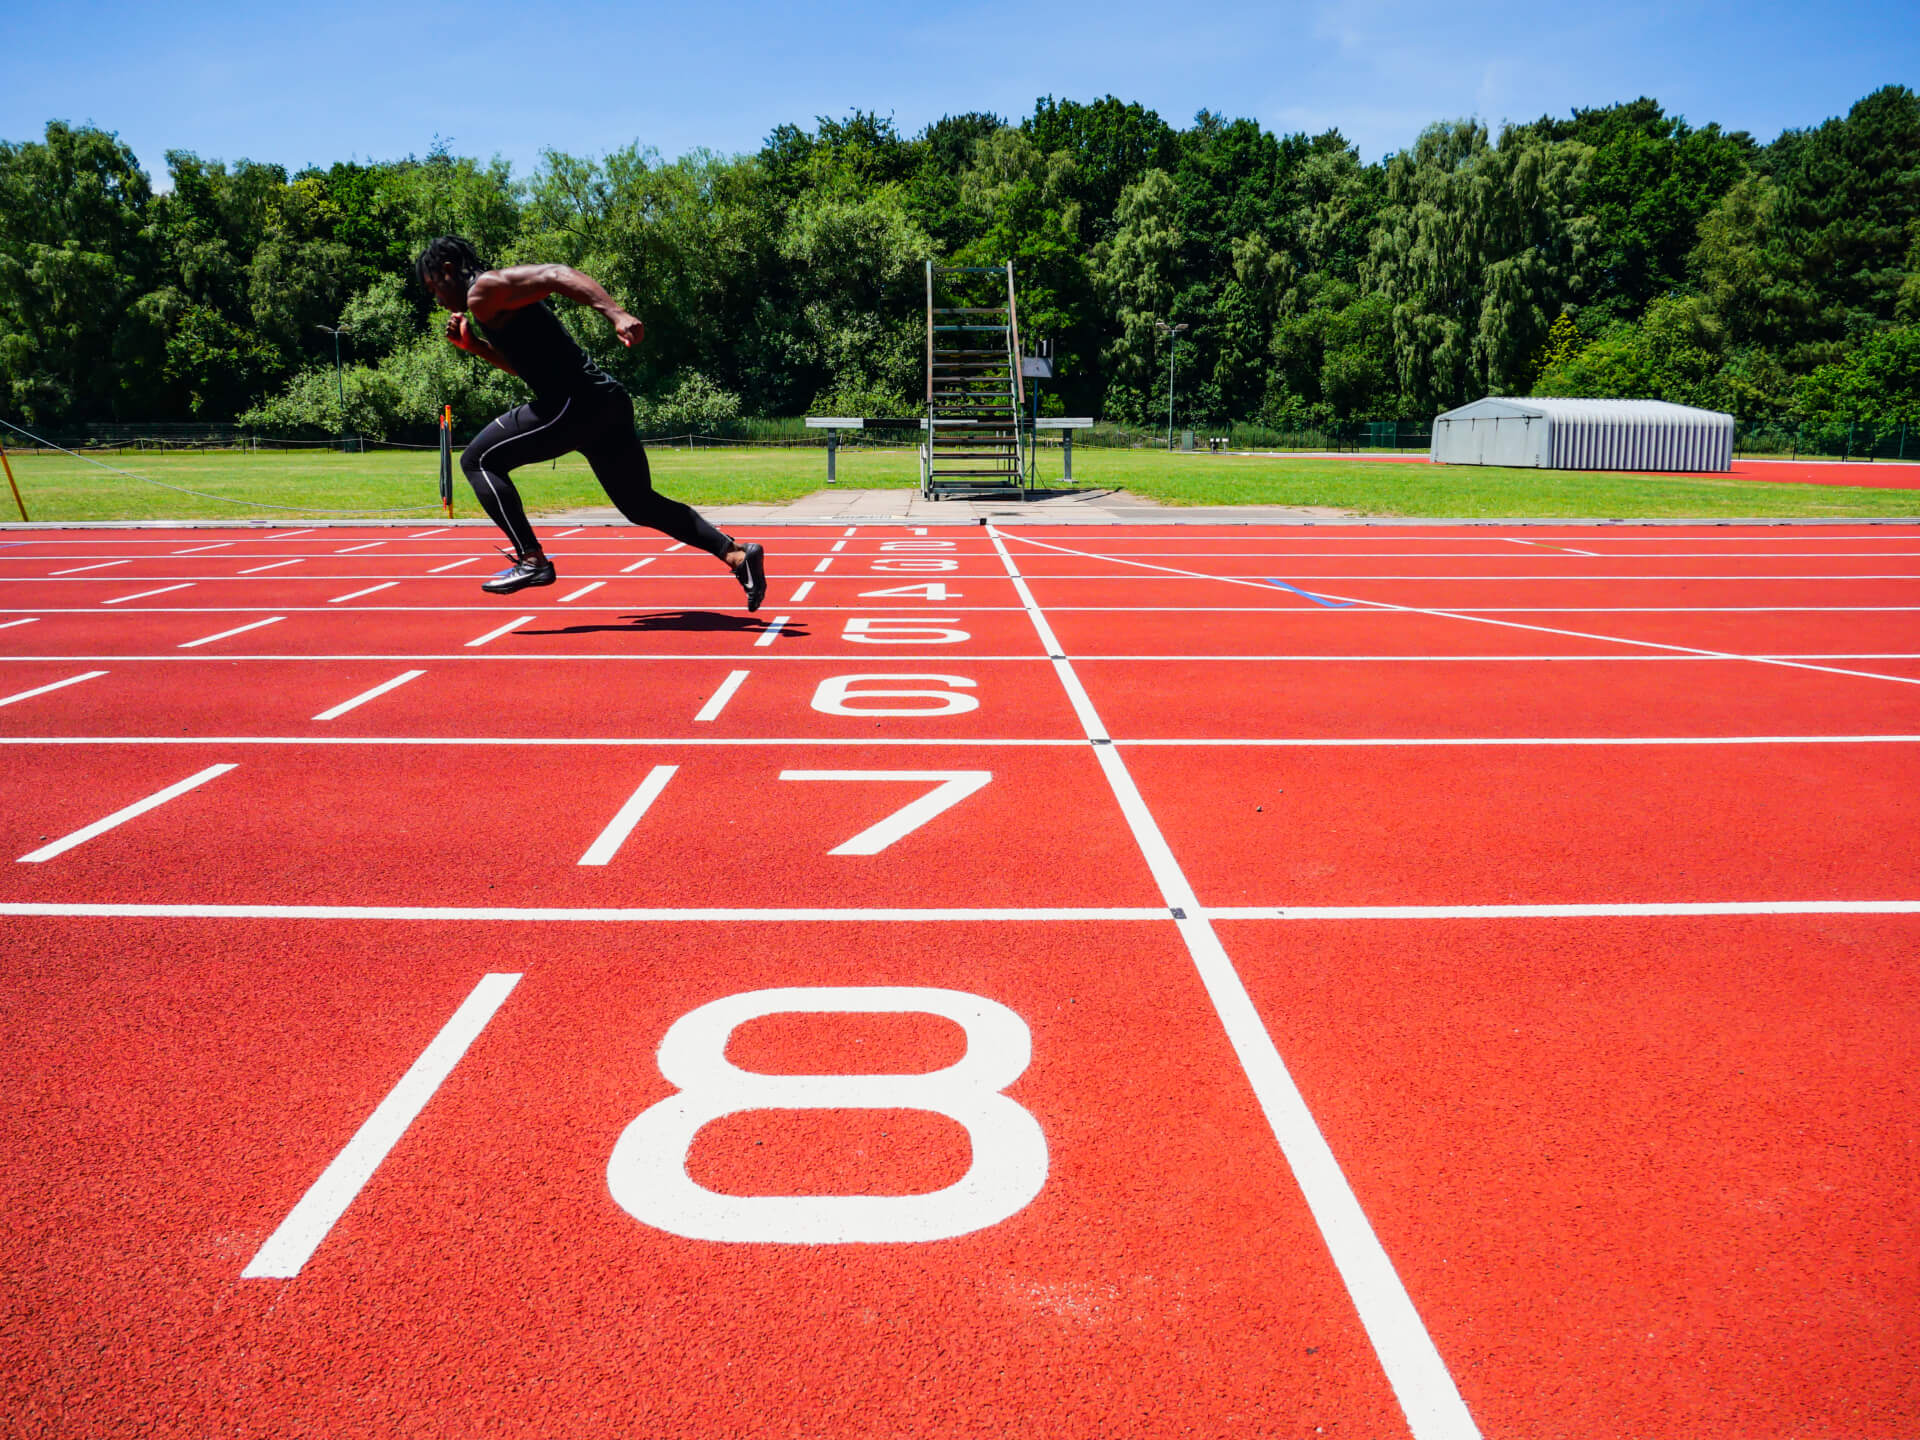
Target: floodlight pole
{"x":339,"y":379}
{"x":1173,"y":342}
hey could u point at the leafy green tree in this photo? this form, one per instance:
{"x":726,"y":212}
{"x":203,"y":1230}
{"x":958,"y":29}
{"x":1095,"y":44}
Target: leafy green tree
{"x":75,"y":262}
{"x":1137,"y":271}
{"x":1879,"y":382}
{"x":1479,"y":248}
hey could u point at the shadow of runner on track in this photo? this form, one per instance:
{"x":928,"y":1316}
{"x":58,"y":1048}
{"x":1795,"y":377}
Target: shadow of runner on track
{"x":696,"y":620}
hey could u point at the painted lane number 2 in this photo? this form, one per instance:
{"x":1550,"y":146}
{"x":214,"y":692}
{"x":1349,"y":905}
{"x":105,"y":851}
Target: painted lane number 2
{"x":647,"y":1172}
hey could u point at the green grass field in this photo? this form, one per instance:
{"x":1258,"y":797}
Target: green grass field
{"x":317,"y":483}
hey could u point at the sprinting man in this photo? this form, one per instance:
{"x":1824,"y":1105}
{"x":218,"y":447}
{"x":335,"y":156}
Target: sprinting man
{"x":502,"y":316}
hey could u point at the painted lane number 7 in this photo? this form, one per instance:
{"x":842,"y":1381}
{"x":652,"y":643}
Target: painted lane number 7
{"x":950,"y":788}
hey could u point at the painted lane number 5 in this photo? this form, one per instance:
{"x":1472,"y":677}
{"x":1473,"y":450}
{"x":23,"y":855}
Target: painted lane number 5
{"x":647,"y":1172}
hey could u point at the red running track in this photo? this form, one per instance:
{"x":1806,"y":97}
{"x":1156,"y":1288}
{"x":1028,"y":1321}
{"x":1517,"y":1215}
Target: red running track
{"x":1532,"y":1056}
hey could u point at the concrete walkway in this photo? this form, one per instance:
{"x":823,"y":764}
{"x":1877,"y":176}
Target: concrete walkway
{"x":848,"y":506}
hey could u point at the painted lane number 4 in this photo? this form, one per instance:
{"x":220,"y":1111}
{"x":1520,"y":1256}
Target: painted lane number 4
{"x":647,"y":1172}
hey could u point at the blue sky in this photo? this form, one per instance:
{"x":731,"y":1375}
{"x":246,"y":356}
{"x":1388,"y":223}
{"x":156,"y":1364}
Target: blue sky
{"x":352,"y":79}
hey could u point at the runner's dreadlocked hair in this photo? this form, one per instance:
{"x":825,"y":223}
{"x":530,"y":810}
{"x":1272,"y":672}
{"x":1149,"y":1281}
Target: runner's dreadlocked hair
{"x":445,"y":249}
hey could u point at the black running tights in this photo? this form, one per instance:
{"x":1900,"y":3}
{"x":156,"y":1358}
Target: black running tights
{"x":601,"y":430}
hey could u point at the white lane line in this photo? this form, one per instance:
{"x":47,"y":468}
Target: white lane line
{"x":120,"y":817}
{"x":850,"y":531}
{"x":102,"y":565}
{"x":629,"y":569}
{"x":601,"y":742}
{"x":1496,"y":741}
{"x":202,"y":549}
{"x":837,"y":546}
{"x":768,"y":635}
{"x":374,"y":694}
{"x":1420,"y":1380}
{"x":370,"y":590}
{"x":1564,"y":912}
{"x":237,"y":630}
{"x":801,"y":593}
{"x":715,"y":702}
{"x":75,"y":680}
{"x":292,"y":1244}
{"x":144,"y":594}
{"x":289,"y":534}
{"x":608,"y":844}
{"x":496,"y":634}
{"x":820,"y":569}
{"x":677,"y":545}
{"x":565,"y":533}
{"x":423,"y":534}
{"x":276,"y":565}
{"x":352,"y":549}
{"x":454,"y":565}
{"x":9,"y":624}
{"x":583,"y":590}
{"x":1483,"y":618}
{"x":591,"y":915}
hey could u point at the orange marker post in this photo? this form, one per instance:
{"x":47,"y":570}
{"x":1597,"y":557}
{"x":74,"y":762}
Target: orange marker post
{"x":4,"y":461}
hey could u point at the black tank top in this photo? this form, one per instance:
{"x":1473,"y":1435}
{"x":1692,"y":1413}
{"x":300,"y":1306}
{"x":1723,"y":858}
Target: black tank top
{"x":544,"y":355}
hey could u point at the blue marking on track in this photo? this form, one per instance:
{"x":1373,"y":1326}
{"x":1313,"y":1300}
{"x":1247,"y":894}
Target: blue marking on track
{"x":1316,"y":599}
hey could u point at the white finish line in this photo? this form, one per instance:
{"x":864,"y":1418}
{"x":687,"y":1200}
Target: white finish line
{"x":1419,"y":1377}
{"x":307,"y":1224}
{"x":120,"y":817}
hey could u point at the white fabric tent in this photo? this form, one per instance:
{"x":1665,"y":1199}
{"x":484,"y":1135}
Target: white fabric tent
{"x":1556,"y":434}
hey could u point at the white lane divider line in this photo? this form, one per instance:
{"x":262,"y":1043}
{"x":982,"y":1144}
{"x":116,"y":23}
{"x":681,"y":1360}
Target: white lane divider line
{"x":850,"y":530}
{"x":120,"y":817}
{"x":583,"y":590}
{"x":822,"y":566}
{"x":374,"y":694}
{"x":352,"y":549}
{"x":496,"y":634}
{"x":319,"y":1210}
{"x":455,"y":565}
{"x":608,"y":844}
{"x":202,"y":549}
{"x":423,"y":534}
{"x":629,"y":569}
{"x":225,"y":634}
{"x":276,"y":565}
{"x":356,"y":594}
{"x":1420,"y":1379}
{"x":837,"y":546}
{"x":92,"y":675}
{"x":564,"y":533}
{"x":709,"y":711}
{"x":9,"y":624}
{"x":778,"y":624}
{"x":289,"y":534}
{"x":677,"y":545}
{"x":147,"y":594}
{"x":806,"y":588}
{"x":102,"y":565}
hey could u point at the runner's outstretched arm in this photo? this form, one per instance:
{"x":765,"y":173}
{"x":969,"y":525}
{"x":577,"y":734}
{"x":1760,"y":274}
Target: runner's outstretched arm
{"x":517,"y":285}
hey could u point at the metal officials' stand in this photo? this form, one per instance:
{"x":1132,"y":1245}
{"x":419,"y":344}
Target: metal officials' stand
{"x":976,"y":444}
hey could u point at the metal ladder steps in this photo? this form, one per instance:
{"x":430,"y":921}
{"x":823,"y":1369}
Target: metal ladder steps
{"x":971,"y":310}
{"x":995,"y":329}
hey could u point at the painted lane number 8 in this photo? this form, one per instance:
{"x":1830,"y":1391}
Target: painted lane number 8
{"x":647,"y":1173}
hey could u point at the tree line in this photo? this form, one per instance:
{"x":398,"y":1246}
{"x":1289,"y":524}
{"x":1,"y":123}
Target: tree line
{"x":1619,"y":251}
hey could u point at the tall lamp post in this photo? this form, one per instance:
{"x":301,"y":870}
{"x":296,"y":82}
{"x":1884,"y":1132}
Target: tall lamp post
{"x":339,"y":379}
{"x":1172,"y":332}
